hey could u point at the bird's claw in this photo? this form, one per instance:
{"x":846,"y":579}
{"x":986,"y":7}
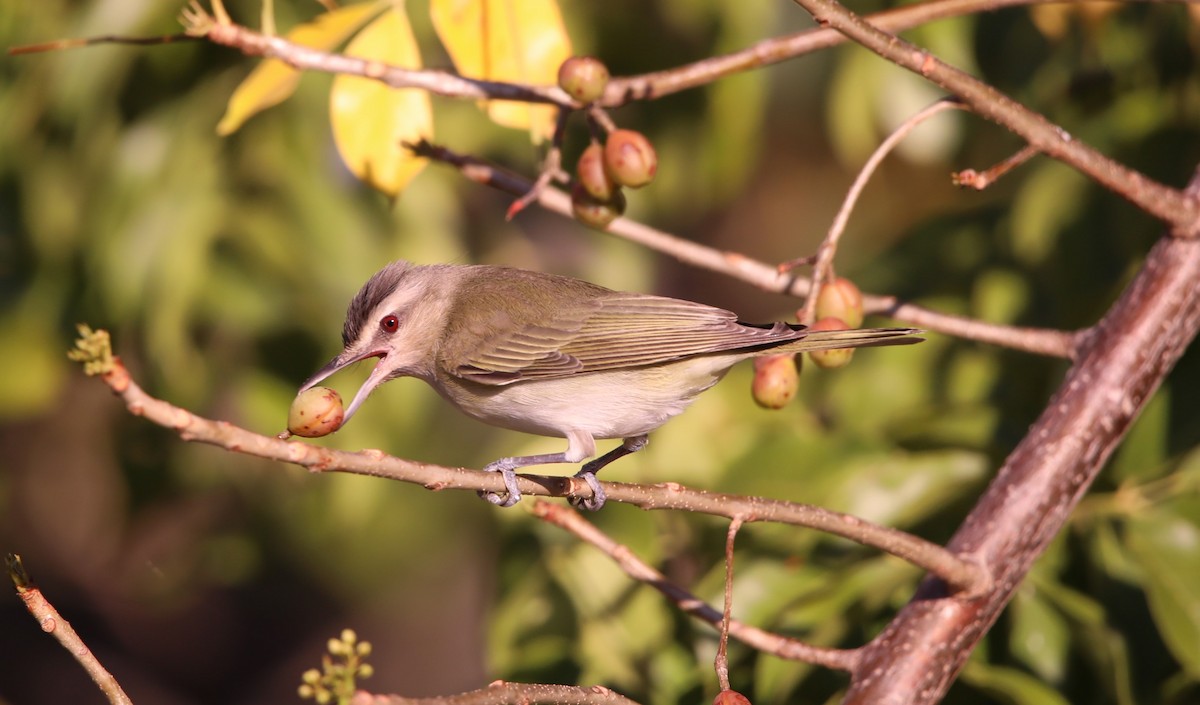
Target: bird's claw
{"x":596,"y":501}
{"x":510,"y":496}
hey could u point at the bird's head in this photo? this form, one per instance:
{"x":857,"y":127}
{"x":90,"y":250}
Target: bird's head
{"x":395,"y":318}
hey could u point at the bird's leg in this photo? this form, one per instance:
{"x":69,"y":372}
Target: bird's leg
{"x":507,"y":467}
{"x":580,"y":445}
{"x":588,"y":472}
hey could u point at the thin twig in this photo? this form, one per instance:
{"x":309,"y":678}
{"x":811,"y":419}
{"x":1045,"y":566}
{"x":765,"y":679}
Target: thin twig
{"x":298,"y":56}
{"x":62,"y":44}
{"x":53,"y":623}
{"x":551,"y":168}
{"x":1041,"y":341}
{"x":504,"y":693}
{"x":979,"y":180}
{"x":621,"y":90}
{"x":721,"y":663}
{"x":823,"y":268}
{"x":759,"y":639}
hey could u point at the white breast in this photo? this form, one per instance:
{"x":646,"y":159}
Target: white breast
{"x":611,"y":404}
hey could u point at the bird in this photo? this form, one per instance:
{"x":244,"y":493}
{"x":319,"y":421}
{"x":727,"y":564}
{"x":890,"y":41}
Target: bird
{"x":556,"y":356}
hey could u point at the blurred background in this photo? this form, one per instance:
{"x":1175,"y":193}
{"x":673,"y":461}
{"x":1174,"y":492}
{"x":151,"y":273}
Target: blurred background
{"x":222,"y":268}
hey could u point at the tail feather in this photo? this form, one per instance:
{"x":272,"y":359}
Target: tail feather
{"x":852,"y":338}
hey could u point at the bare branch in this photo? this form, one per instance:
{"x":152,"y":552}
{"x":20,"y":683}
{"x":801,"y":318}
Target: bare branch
{"x":1172,"y":206}
{"x":304,"y":58}
{"x":979,"y":180}
{"x":503,"y":693}
{"x":1120,"y":365}
{"x":823,"y":266}
{"x":765,"y":276}
{"x":963,"y":574}
{"x":53,"y":623}
{"x":626,"y":560}
{"x":778,"y":49}
{"x":721,"y":663}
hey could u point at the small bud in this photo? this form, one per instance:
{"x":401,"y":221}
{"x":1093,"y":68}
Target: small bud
{"x":840,"y":298}
{"x":349,"y":637}
{"x":592,"y":176}
{"x":315,"y":412}
{"x":730,"y":697}
{"x":335,"y":647}
{"x":831,"y":359}
{"x":311,"y":676}
{"x":630,"y":158}
{"x":776,"y":379}
{"x":363,"y":649}
{"x":583,"y":78}
{"x":366,"y":670}
{"x":597,"y":214}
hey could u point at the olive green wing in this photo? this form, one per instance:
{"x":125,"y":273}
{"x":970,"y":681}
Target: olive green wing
{"x":614,"y":331}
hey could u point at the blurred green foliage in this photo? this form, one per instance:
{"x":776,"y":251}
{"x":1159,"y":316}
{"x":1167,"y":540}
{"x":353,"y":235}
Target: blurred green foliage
{"x":222,"y":268}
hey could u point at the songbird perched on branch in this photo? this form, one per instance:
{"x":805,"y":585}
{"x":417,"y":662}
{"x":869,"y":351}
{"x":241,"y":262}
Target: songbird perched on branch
{"x":556,"y":356}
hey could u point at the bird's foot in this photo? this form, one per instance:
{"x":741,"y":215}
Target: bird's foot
{"x":511,"y":495}
{"x":596,"y":501}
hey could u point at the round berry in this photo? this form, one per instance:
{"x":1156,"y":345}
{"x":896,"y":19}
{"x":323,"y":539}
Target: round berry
{"x":630,"y":158}
{"x":583,"y":78}
{"x":730,"y":697}
{"x":837,"y":357}
{"x":776,"y":379}
{"x":840,"y":298}
{"x":315,"y":412}
{"x":594,"y":212}
{"x":591,"y":173}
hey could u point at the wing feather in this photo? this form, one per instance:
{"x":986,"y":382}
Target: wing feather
{"x":614,"y":331}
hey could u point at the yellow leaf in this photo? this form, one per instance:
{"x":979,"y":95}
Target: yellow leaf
{"x":515,"y":41}
{"x":370,"y":120}
{"x":273,"y":81}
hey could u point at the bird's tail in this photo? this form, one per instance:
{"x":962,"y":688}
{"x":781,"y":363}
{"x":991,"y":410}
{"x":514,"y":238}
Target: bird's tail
{"x":852,"y":338}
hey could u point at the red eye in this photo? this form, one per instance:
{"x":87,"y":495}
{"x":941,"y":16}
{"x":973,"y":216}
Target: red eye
{"x":389,"y":323}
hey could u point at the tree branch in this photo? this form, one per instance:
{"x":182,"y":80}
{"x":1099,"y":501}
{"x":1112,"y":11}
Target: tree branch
{"x":1181,"y":212}
{"x":961,"y":573}
{"x":1121,"y":363}
{"x":503,"y":693}
{"x":1041,"y":341}
{"x":648,"y":86}
{"x":53,"y":623}
{"x":634,"y":567}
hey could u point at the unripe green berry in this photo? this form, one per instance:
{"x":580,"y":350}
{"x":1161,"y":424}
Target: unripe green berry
{"x":583,"y":78}
{"x":629,"y":158}
{"x":837,"y":357}
{"x":593,"y":212}
{"x":840,"y":298}
{"x":315,"y":412}
{"x":776,"y":379}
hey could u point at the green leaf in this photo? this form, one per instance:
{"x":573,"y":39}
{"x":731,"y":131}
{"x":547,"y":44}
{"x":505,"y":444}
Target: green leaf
{"x":1040,"y":636}
{"x":1167,"y":546}
{"x":1010,"y":685}
{"x":1143,"y":454}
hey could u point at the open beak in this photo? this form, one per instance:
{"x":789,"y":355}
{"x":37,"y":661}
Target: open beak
{"x":377,"y":377}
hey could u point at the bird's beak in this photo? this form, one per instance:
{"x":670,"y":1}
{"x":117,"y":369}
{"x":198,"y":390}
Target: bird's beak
{"x":377,"y":377}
